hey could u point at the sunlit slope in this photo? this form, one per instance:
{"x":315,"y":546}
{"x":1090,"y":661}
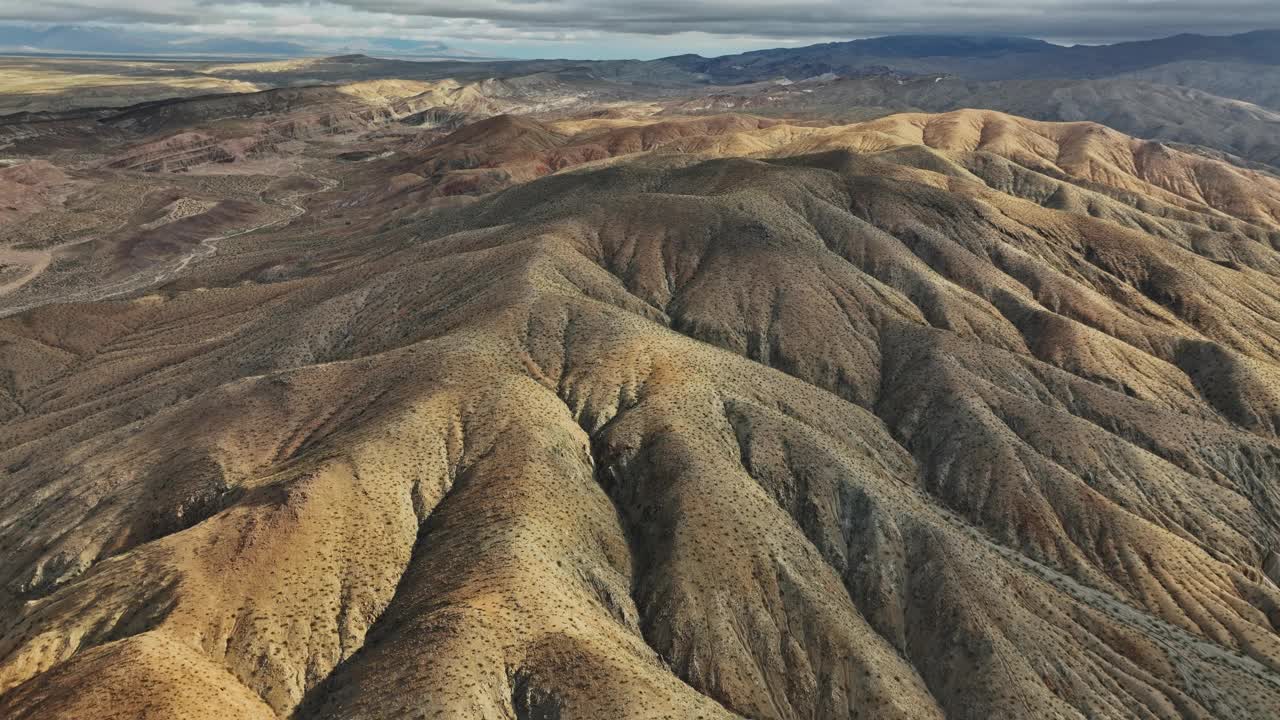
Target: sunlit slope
{"x":506,"y":149}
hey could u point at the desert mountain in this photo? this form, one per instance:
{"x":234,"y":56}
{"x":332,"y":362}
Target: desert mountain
{"x":955,"y":415}
{"x":1215,"y":93}
{"x":1167,"y":112}
{"x":1258,"y":84}
{"x":987,"y":58}
{"x":510,"y":149}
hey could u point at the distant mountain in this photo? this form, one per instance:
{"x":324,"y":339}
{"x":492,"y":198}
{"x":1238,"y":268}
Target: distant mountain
{"x":1262,"y":47}
{"x":404,"y":48}
{"x":899,"y":46}
{"x":1255,"y":83}
{"x":1208,"y":91}
{"x":238,"y":46}
{"x":1150,"y":110}
{"x":973,"y":57}
{"x":983,"y":57}
{"x":1212,"y":92}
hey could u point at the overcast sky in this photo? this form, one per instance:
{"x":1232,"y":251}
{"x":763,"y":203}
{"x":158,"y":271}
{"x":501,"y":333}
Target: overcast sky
{"x":651,"y":28}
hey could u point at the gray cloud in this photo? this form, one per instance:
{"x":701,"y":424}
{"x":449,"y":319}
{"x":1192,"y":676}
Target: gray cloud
{"x":809,"y":18}
{"x":587,"y":21}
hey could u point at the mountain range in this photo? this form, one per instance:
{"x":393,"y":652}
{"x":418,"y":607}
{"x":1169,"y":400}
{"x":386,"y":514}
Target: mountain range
{"x":986,"y":58}
{"x":798,"y":385}
{"x":958,"y":415}
{"x":1215,"y":93}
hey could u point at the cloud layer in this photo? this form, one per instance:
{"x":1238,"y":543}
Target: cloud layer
{"x":658,"y":25}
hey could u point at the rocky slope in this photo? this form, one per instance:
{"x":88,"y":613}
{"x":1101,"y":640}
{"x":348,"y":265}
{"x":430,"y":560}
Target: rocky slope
{"x":505,"y":149}
{"x":961,"y":416}
{"x":1169,"y":112}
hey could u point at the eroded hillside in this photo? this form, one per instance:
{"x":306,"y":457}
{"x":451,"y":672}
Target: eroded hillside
{"x":960,"y":416}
